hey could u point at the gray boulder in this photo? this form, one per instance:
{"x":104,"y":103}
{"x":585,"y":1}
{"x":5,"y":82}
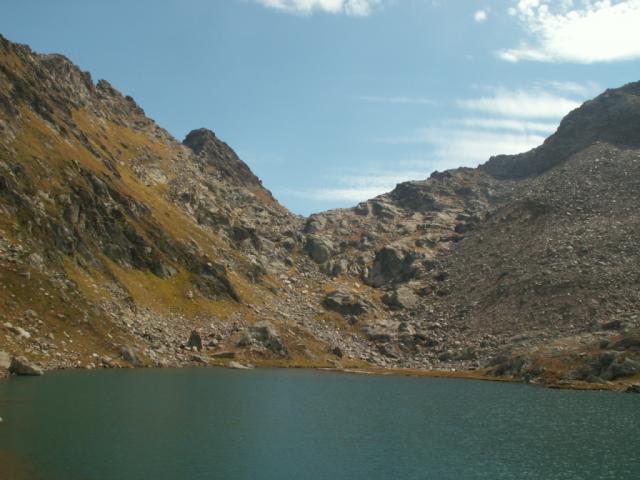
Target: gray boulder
{"x":320,"y":249}
{"x":377,"y":335}
{"x":387,"y":266}
{"x":314,"y":224}
{"x":345,"y":303}
{"x":265,"y":334}
{"x":401,"y":298}
{"x":21,"y":366}
{"x":130,"y":355}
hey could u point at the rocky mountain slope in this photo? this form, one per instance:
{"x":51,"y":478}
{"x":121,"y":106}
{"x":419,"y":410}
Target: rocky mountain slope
{"x":120,"y":245}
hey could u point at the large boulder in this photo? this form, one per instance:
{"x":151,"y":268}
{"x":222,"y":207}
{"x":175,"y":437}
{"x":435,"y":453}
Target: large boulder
{"x":387,"y":266}
{"x":21,"y":366}
{"x":264,"y":334}
{"x":314,"y":224}
{"x":401,"y":298}
{"x":345,"y":303}
{"x":130,"y":355}
{"x":320,"y":249}
{"x":195,"y":340}
{"x":377,"y":334}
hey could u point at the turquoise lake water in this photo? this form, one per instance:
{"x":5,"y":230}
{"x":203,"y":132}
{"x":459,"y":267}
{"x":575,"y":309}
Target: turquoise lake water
{"x":298,"y":424}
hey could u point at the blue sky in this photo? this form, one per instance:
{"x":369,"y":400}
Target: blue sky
{"x":332,"y":102}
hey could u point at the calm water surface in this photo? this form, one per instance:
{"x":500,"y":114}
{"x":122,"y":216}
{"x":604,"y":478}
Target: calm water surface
{"x":296,"y":424}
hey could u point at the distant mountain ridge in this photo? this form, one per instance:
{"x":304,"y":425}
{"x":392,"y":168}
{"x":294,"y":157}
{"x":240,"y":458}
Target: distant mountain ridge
{"x":612,"y":117}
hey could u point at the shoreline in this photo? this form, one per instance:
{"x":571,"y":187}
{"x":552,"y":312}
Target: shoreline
{"x":382,"y":372}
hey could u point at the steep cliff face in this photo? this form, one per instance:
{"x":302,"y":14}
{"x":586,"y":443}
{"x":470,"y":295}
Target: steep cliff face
{"x":120,"y":245}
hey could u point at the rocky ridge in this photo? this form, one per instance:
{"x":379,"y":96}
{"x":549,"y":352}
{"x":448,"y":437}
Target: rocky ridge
{"x":120,"y":246}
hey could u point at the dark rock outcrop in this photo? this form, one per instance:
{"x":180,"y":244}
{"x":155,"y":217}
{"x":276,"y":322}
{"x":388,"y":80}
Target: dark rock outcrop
{"x":22,"y":366}
{"x":195,"y":340}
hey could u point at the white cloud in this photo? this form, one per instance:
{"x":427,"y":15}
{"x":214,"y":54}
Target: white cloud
{"x":480,"y":16}
{"x":359,"y":8}
{"x":450,"y":148}
{"x":508,"y":124}
{"x":575,"y":88}
{"x":466,"y":146}
{"x":498,"y":121}
{"x":354,"y":188}
{"x":522,"y":104}
{"x":558,"y":31}
{"x":469,"y":146}
{"x":353,"y":195}
{"x":465,"y":143}
{"x":397,"y":100}
{"x":505,"y":122}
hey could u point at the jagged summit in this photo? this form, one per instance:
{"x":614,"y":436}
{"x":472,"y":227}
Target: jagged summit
{"x":218,"y":154}
{"x":613,"y":117}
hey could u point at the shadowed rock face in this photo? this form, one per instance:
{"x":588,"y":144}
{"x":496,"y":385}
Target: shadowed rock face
{"x":613,"y":117}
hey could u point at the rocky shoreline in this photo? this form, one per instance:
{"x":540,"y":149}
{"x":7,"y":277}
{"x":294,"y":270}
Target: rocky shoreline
{"x":21,"y":367}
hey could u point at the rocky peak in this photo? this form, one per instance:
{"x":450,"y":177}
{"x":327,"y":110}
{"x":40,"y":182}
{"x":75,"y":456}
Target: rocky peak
{"x":200,"y":140}
{"x":612,"y":117}
{"x":216,"y":153}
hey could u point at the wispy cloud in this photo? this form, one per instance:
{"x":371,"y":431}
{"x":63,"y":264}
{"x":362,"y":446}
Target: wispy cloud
{"x":358,"y":8}
{"x":558,"y":31}
{"x":480,"y":16}
{"x":469,"y":146}
{"x":397,"y":100}
{"x":536,"y":103}
{"x":353,"y":187}
{"x":575,"y":88}
{"x":509,"y":124}
{"x":504,"y":121}
{"x":497,"y":121}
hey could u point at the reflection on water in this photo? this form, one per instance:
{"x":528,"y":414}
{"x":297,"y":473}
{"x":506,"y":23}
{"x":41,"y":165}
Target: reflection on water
{"x":280,"y":424}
